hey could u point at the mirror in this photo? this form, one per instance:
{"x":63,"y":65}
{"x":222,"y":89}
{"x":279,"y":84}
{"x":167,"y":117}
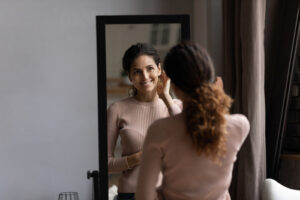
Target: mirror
{"x":115,"y":34}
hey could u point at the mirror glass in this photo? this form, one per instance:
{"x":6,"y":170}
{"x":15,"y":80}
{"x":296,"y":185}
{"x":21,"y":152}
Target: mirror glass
{"x":119,"y":37}
{"x":115,"y":34}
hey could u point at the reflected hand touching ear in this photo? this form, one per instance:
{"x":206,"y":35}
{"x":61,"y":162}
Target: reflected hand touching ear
{"x":163,"y":88}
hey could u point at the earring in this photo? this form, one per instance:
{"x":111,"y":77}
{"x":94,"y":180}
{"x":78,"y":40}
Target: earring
{"x":132,"y":91}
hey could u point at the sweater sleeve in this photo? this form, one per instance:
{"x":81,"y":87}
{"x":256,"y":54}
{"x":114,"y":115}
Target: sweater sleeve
{"x":114,"y":164}
{"x":176,"y":107}
{"x":150,"y":166}
{"x":242,"y":127}
{"x":245,"y":128}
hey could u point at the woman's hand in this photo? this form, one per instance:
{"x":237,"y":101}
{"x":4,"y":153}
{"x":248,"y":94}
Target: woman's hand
{"x":163,"y":90}
{"x":134,"y":159}
{"x":219,"y":82}
{"x":163,"y":87}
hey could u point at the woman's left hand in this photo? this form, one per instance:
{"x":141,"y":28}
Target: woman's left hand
{"x":219,"y":82}
{"x":163,"y":87}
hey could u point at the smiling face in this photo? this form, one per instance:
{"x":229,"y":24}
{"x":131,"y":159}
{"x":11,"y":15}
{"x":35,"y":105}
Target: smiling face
{"x":144,"y":73}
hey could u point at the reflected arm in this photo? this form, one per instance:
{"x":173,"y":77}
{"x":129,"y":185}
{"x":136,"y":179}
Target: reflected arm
{"x":174,"y":105}
{"x":114,"y":164}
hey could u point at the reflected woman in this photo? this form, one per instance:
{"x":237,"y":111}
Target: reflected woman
{"x":196,"y":149}
{"x":130,"y":118}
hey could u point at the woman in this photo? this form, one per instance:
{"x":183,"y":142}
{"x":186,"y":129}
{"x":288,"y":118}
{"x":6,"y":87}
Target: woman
{"x":130,"y":118}
{"x":196,"y":149}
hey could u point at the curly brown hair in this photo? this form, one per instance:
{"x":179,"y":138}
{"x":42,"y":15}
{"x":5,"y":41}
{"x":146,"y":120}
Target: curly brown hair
{"x":205,"y":105}
{"x":205,"y":112}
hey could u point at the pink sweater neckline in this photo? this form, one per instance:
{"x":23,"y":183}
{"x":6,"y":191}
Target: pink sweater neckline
{"x":145,"y":103}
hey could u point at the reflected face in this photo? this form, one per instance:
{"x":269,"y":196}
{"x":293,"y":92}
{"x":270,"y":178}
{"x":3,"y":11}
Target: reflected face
{"x":144,"y":74}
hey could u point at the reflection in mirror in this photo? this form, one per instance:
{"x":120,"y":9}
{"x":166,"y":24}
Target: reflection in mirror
{"x":160,"y":36}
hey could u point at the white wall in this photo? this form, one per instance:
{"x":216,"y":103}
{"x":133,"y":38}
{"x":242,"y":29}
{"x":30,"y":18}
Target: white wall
{"x":48,"y":103}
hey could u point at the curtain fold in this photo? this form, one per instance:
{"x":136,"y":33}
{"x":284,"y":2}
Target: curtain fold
{"x":244,"y":70}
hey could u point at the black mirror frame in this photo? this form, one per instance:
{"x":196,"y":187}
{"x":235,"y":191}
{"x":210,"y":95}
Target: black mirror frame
{"x":101,"y":21}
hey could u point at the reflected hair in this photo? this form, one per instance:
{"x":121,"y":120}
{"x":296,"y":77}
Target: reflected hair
{"x":137,"y":50}
{"x":191,"y":69}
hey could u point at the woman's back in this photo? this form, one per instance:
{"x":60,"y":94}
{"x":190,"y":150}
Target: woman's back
{"x":196,"y":149}
{"x":186,"y":175}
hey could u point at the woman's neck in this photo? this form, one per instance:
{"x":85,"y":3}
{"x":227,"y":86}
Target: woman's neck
{"x":146,"y":97}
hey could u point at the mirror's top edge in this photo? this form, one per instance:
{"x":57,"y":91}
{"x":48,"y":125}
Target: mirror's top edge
{"x":155,"y":15}
{"x":138,"y":19}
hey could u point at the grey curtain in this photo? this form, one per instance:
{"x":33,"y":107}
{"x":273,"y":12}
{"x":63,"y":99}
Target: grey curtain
{"x":244,"y":67}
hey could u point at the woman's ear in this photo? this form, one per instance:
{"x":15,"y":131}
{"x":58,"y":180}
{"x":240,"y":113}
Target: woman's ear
{"x":159,"y":69}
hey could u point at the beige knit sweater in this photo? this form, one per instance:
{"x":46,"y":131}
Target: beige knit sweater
{"x":130,"y":119}
{"x":186,"y":175}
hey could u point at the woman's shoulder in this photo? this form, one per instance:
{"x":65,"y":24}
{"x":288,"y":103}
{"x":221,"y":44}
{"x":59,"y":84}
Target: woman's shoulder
{"x":237,"y":119}
{"x":120,"y":105}
{"x":169,"y":121}
{"x":121,"y":102}
{"x":167,"y":125}
{"x":239,"y":124}
{"x":159,"y":131}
